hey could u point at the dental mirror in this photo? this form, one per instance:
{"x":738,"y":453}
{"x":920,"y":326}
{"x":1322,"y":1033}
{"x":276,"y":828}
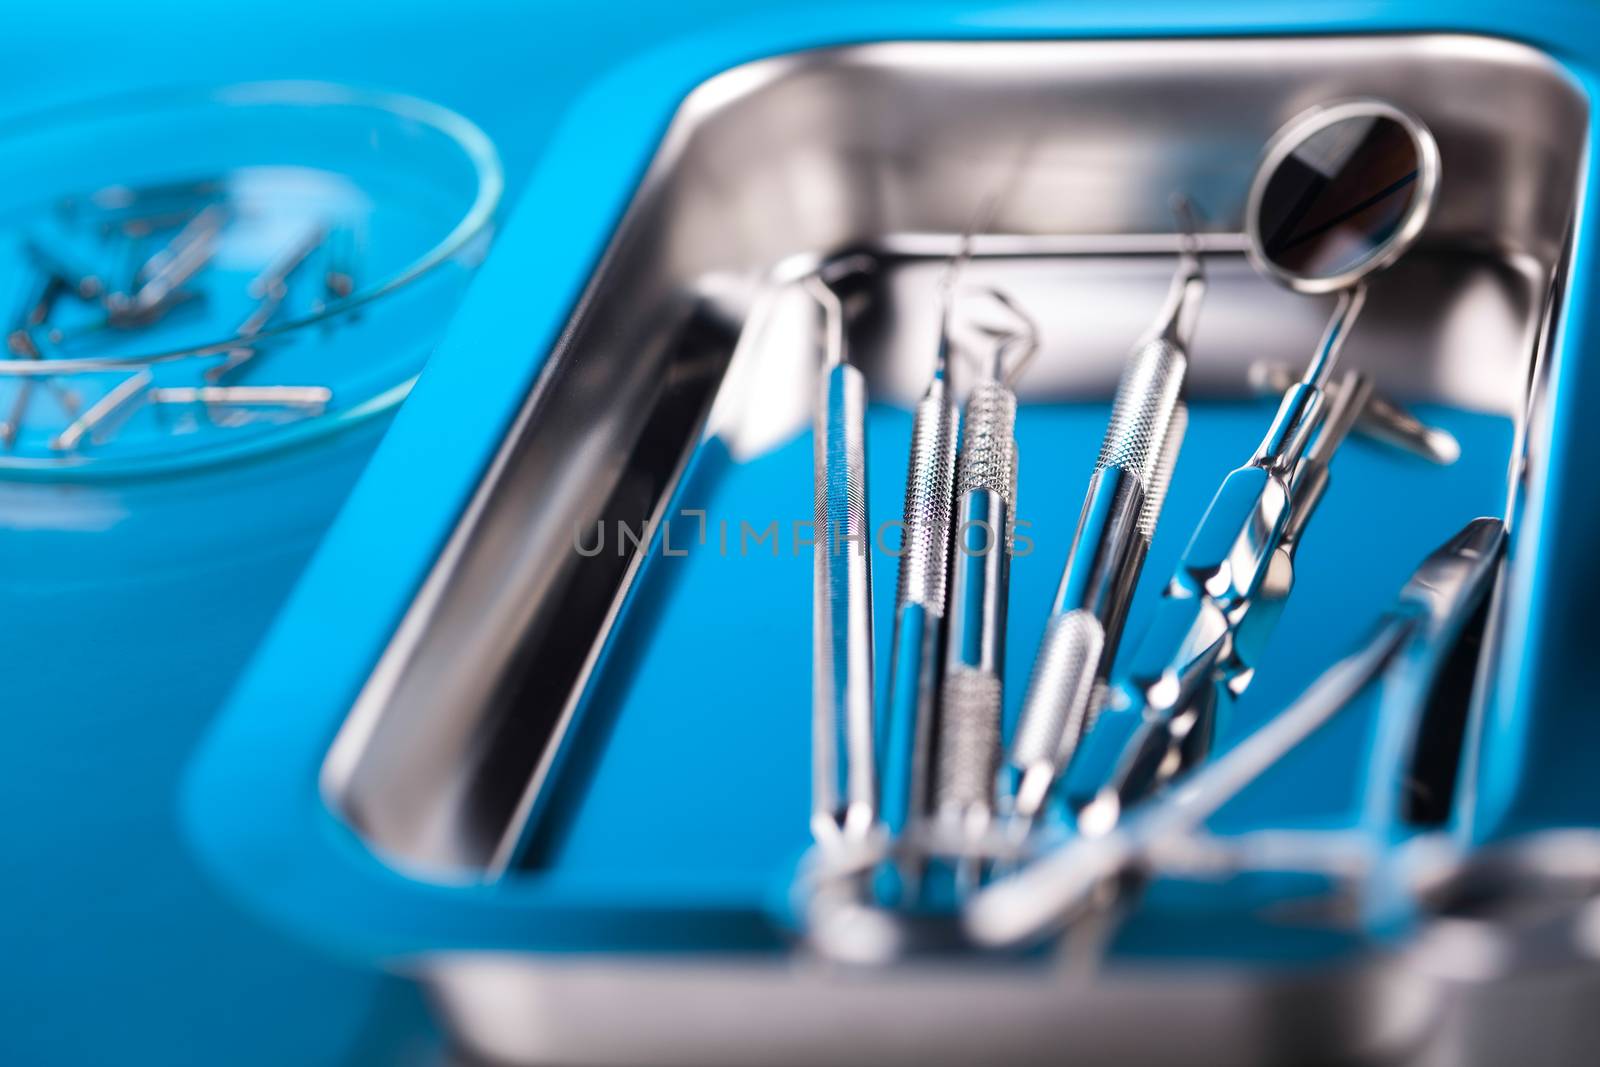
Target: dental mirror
{"x":1342,"y":191}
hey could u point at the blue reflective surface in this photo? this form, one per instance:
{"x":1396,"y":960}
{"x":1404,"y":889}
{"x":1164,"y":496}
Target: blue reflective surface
{"x":116,"y":946}
{"x":133,"y":606}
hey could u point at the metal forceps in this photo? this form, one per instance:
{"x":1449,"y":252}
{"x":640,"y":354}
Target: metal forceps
{"x":1341,"y":193}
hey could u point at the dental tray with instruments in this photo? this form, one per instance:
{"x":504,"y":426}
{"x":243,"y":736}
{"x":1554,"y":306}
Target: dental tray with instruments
{"x":598,"y":771}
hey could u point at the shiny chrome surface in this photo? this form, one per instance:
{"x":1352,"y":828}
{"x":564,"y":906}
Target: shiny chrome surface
{"x":688,"y":336}
{"x":1242,"y":554}
{"x":1404,"y":656}
{"x":920,"y":599}
{"x":1442,"y":598}
{"x":844,"y":786}
{"x":1058,"y":707}
{"x":452,"y":793}
{"x":1108,"y":549}
{"x":930,"y":483}
{"x":1301,"y":129}
{"x":1175,"y":713}
{"x":739,"y":1010}
{"x":1062,"y":886}
{"x":969,"y":712}
{"x":1381,"y":419}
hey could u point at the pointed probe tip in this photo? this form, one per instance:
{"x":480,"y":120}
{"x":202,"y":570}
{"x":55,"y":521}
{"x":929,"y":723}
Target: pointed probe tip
{"x":1187,"y":217}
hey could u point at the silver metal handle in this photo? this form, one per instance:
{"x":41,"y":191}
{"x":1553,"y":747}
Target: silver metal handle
{"x":844,"y":772}
{"x":1058,"y":707}
{"x":969,"y":742}
{"x":1119,"y":515}
{"x":1064,"y":883}
{"x":930,"y":478}
{"x":1232,"y":608}
{"x":1405,"y":651}
{"x":920,"y":605}
{"x":968,"y":752}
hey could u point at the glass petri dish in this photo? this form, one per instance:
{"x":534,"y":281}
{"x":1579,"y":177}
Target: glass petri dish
{"x":193,"y":277}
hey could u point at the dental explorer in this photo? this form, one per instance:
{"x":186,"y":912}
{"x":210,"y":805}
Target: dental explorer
{"x":1148,"y":418}
{"x":968,"y":729}
{"x":844,"y":783}
{"x":923,"y":581}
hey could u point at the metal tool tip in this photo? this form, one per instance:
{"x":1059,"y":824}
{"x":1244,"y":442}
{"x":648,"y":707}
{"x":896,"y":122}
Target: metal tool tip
{"x":833,"y":318}
{"x":1099,"y":817}
{"x":1187,"y":217}
{"x":1441,"y":445}
{"x":1032,"y":793}
{"x":999,"y":328}
{"x":952,"y":271}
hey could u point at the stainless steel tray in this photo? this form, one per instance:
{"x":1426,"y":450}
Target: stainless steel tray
{"x":447,"y":763}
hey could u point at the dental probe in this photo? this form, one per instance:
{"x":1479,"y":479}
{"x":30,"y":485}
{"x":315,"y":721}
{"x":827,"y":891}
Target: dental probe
{"x":969,"y":714}
{"x":923,"y":584}
{"x":1148,"y":418}
{"x":844,"y":782}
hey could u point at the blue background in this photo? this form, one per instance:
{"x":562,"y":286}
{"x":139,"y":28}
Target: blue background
{"x":117,"y":948}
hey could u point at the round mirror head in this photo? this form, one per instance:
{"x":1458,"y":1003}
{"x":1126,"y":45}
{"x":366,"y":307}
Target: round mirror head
{"x":1342,"y":191}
